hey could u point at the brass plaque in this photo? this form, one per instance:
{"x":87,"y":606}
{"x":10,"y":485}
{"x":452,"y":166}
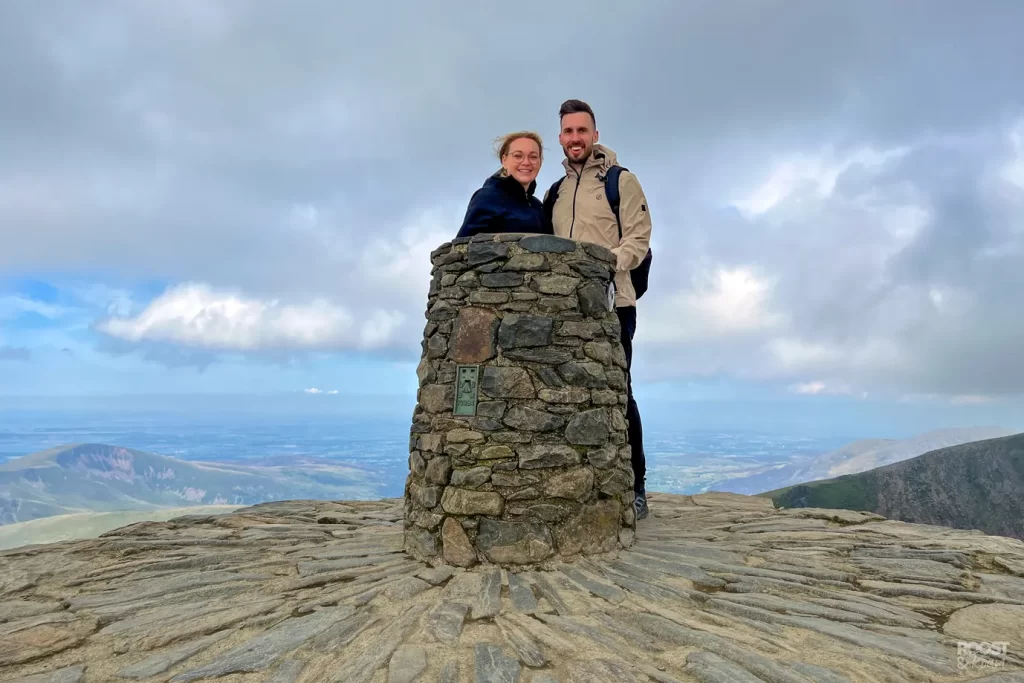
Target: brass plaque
{"x":466,"y":383}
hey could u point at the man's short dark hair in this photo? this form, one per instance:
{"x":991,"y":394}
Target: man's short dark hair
{"x":576,"y":107}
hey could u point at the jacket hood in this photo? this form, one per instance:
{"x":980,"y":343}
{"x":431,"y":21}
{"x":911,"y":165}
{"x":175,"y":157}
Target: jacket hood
{"x":601,"y":158}
{"x":508,"y":183}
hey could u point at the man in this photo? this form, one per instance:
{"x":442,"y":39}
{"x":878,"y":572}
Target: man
{"x":581,"y":211}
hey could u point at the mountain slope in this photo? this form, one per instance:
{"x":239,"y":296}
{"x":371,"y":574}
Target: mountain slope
{"x":858,"y":456}
{"x":977,"y":485}
{"x":101,"y":477}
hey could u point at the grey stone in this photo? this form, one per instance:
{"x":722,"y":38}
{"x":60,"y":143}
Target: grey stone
{"x":615,"y":481}
{"x":406,"y":587}
{"x":515,"y":479}
{"x":566,"y":395}
{"x":259,"y":652}
{"x":548,"y":355}
{"x":488,"y":298}
{"x":609,"y":592}
{"x":531,"y":419}
{"x":557,"y":304}
{"x":546,"y":510}
{"x":441,"y":310}
{"x":435,"y":576}
{"x":818,"y":674}
{"x":710,"y":668}
{"x":695,"y":574}
{"x":439,"y":470}
{"x":550,"y":378}
{"x":473,"y":477}
{"x":407,"y":663}
{"x":518,"y":331}
{"x":600,"y":253}
{"x":467,"y":436}
{"x":528,"y":262}
{"x":604,"y":457}
{"x":547,"y":455}
{"x":444,"y":622}
{"x":589,"y":269}
{"x":574,"y":484}
{"x":588,"y":428}
{"x":456,"y":501}
{"x":508,"y":542}
{"x":492,"y":666}
{"x":287,"y":672}
{"x":525,"y":647}
{"x":521,"y":593}
{"x":587,"y":374}
{"x":929,"y":655}
{"x":492,"y":409}
{"x":602,"y":352}
{"x":562,"y":285}
{"x":422,"y":543}
{"x":361,"y":668}
{"x":593,"y":298}
{"x":502,"y":279}
{"x":449,"y":672}
{"x":755,"y":663}
{"x":506,"y":382}
{"x":581,"y":330}
{"x":469,"y":280}
{"x":549,"y":592}
{"x":487,"y":602}
{"x":69,"y":674}
{"x":425,"y":496}
{"x":481,"y":252}
{"x":456,"y":548}
{"x":496,"y":452}
{"x":547,"y":244}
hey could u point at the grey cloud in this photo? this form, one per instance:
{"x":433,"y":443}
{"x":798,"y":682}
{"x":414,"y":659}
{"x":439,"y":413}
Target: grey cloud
{"x":177,"y":141}
{"x":15,"y":353}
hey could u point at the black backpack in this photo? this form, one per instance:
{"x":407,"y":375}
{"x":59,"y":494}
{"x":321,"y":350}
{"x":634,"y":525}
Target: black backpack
{"x":641,"y":273}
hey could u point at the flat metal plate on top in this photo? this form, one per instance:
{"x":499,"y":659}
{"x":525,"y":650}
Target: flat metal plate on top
{"x":467,"y":380}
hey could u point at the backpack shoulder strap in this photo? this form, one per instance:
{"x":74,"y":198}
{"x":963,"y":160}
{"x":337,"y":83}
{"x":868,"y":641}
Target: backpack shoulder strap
{"x":611,"y":192}
{"x":549,"y":200}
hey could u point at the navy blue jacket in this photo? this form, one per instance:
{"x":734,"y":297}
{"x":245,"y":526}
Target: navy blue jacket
{"x":503,"y":205}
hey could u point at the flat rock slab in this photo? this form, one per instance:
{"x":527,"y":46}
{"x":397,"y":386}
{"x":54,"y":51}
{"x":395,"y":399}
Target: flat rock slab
{"x":718,"y":587}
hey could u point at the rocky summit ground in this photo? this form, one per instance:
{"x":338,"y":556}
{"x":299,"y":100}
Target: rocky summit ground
{"x":718,"y":588}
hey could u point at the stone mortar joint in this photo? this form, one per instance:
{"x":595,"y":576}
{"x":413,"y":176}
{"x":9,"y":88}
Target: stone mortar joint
{"x":518,"y":445}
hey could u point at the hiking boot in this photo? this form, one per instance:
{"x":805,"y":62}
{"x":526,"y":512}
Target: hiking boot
{"x":640,"y":505}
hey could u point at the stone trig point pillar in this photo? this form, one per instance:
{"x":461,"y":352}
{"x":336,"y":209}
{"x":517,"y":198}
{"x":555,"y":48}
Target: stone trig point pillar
{"x":518,"y":449}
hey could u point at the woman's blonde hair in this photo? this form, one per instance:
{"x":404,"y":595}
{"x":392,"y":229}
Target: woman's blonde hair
{"x":505,"y":141}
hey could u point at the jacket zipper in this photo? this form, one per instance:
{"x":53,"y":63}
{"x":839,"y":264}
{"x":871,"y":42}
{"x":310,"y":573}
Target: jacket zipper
{"x":579,"y":177}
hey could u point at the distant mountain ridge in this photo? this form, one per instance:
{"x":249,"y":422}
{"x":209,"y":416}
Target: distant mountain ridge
{"x":977,"y":485}
{"x":859,"y":456}
{"x":95,"y":477}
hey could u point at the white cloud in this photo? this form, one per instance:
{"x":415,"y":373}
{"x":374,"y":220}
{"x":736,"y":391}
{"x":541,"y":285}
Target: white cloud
{"x":195,"y":315}
{"x":720,"y":302}
{"x":15,"y":305}
{"x":315,"y":391}
{"x":817,"y":173}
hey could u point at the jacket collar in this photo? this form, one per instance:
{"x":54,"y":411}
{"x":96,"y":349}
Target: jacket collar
{"x":601,"y":159}
{"x":510,"y":184}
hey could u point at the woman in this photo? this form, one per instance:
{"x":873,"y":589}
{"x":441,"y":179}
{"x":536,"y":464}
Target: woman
{"x":506,"y":202}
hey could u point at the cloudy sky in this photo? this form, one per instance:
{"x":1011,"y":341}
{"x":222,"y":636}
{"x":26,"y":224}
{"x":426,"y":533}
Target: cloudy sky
{"x":206,"y":196}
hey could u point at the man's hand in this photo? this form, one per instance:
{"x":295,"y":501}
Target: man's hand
{"x":636,"y":224}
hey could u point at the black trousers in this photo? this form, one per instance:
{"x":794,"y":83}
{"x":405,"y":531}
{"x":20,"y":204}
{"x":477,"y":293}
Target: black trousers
{"x":635,"y":433}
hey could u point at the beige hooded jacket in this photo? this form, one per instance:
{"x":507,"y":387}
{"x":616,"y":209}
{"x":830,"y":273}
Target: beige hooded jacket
{"x":582,"y":213}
